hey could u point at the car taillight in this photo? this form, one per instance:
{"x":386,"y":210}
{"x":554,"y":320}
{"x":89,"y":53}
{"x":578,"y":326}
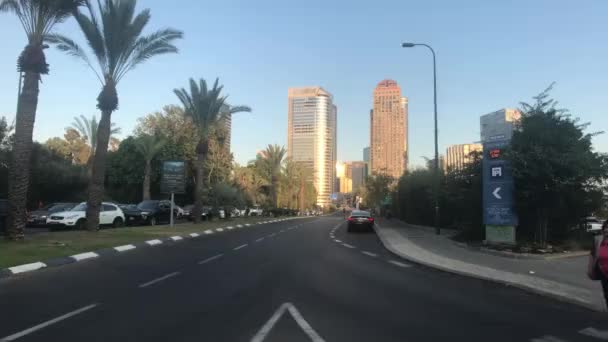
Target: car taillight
{"x":370,"y":219}
{"x":350,"y":219}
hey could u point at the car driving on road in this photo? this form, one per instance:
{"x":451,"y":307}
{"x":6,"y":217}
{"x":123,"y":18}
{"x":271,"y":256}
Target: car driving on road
{"x":360,"y":221}
{"x":75,"y":218}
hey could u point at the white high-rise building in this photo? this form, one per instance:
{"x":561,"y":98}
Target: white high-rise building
{"x":311,"y":136}
{"x":498,"y":125}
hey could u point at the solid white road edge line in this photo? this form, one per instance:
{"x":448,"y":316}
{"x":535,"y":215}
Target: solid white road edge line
{"x":47,"y":323}
{"x":124,"y":248}
{"x":83,"y":256}
{"x":267,"y":327}
{"x":152,"y":282}
{"x":154,"y":242}
{"x":239,"y":247}
{"x":348,"y":246}
{"x":370,"y":254}
{"x":400,"y":264}
{"x":210,"y":259}
{"x":27,"y":267}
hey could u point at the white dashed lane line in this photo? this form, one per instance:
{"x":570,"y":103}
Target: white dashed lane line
{"x":158,"y":280}
{"x":239,"y":247}
{"x":208,"y":231}
{"x":338,"y":241}
{"x":272,"y":235}
{"x":400,"y":264}
{"x":220,"y":230}
{"x":210,"y":259}
{"x":348,"y":246}
{"x":373,"y":255}
{"x":259,"y":240}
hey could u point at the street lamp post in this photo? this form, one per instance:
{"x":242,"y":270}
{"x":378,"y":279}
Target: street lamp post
{"x":436,"y":166}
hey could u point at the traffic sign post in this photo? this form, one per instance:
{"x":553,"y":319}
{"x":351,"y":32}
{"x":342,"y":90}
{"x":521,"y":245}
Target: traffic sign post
{"x":173,"y":181}
{"x":498,"y":205}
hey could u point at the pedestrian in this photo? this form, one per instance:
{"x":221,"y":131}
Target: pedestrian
{"x":597,"y":268}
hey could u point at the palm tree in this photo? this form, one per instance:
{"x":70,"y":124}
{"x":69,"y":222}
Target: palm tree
{"x":272,"y":160}
{"x":206,"y":107}
{"x":38,"y":18}
{"x":149,"y":146}
{"x":114,"y":34}
{"x":87,"y":128}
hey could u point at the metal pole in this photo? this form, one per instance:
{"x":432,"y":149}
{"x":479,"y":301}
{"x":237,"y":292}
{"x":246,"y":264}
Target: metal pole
{"x":437,"y":185}
{"x":171,"y":220}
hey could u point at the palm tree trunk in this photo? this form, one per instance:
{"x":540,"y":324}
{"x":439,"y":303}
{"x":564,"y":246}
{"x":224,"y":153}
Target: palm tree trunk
{"x":96,"y":188}
{"x":147,"y":171}
{"x":301,"y":194}
{"x":199,"y":187}
{"x":19,"y":172}
{"x":275,"y":190}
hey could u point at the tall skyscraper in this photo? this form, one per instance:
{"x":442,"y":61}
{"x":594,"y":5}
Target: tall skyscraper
{"x":312,"y":138}
{"x":388,"y":145}
{"x":457,"y":156}
{"x":366,"y":161}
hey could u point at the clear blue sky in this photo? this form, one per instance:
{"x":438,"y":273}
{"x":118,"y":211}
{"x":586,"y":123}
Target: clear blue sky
{"x":491,"y":55}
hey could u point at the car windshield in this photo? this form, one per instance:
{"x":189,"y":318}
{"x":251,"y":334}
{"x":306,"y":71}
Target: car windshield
{"x":80,"y":207}
{"x":147,"y":205}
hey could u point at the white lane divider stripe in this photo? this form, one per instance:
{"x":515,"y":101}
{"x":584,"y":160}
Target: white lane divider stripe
{"x":27,"y":267}
{"x":348,"y":246}
{"x":124,"y":248}
{"x":338,"y":241}
{"x":47,"y":323}
{"x":267,"y":327}
{"x":400,"y":264}
{"x":176,"y":238}
{"x":220,"y":230}
{"x":208,"y":231}
{"x":194,"y":235}
{"x":259,"y":240}
{"x":374,"y":255}
{"x":239,"y":247}
{"x":84,"y":256}
{"x":239,"y":226}
{"x":230,"y":227}
{"x":210,"y":259}
{"x":157,"y":280}
{"x":154,"y":242}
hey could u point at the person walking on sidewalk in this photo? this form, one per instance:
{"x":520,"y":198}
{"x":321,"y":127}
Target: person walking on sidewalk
{"x":598,"y":260}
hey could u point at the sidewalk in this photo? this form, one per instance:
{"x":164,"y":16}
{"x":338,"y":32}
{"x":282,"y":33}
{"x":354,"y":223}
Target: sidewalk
{"x":561,"y":278}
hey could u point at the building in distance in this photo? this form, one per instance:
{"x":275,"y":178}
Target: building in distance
{"x":458,"y":156}
{"x":498,"y":125}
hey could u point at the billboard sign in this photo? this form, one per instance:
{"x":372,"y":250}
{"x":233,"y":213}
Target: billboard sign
{"x":173,"y":178}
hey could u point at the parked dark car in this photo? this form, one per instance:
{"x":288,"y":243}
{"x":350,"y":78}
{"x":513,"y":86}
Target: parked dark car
{"x":360,"y":221}
{"x":133,"y":216}
{"x":37,"y":218}
{"x":154,"y":211}
{"x":188,"y":211}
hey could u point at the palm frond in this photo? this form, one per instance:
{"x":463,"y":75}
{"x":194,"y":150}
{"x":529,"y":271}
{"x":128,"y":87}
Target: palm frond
{"x":70,"y":47}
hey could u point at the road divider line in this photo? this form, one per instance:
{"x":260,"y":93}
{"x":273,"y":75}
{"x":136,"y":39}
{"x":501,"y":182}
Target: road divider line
{"x":272,"y":235}
{"x":374,"y":255}
{"x":194,"y":235}
{"x":230,"y":227}
{"x":247,"y":225}
{"x":338,"y":241}
{"x":157,"y":280}
{"x":84,"y":256}
{"x":239,"y":247}
{"x":239,"y":226}
{"x":259,"y":240}
{"x":154,"y":242}
{"x":220,"y":229}
{"x":176,"y":238}
{"x":400,"y":264}
{"x":48,"y":323}
{"x":124,"y":248}
{"x":210,"y":259}
{"x":208,"y":231}
{"x":27,"y":267}
{"x":348,"y":246}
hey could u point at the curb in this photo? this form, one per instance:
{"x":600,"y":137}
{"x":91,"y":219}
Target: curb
{"x":564,"y":297}
{"x":118,"y":250}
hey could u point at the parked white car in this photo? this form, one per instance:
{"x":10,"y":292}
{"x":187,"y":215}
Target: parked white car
{"x":593,"y":224}
{"x":256,"y":211}
{"x":110,"y":215}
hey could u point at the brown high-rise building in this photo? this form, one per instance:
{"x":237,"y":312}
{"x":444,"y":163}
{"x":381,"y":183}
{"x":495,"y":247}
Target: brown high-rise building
{"x":388,"y":147}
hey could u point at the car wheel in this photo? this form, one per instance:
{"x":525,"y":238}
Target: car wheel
{"x":117,"y":222}
{"x":152,"y":221}
{"x":80,"y":224}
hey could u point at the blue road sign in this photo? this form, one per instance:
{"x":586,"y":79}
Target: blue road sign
{"x":497,"y":186}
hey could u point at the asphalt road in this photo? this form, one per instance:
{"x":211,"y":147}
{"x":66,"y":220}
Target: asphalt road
{"x":299,"y":280}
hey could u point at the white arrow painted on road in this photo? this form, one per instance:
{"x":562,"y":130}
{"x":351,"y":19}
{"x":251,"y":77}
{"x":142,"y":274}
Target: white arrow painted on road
{"x":495,"y":193}
{"x":312,"y":334}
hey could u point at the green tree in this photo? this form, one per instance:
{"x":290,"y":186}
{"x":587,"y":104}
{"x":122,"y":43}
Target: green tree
{"x":73,"y":146}
{"x":559,"y":178}
{"x":38,"y":19}
{"x":377,"y":189}
{"x":125,"y":173}
{"x":87,"y":129}
{"x":269,"y":163}
{"x":149,"y":146}
{"x":114,"y":35}
{"x":205,"y":107}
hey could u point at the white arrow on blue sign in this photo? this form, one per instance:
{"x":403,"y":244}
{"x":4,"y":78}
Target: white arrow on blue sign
{"x":496,"y":193}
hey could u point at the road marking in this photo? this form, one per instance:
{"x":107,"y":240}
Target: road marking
{"x":260,"y":239}
{"x":220,"y":230}
{"x":157,"y":280}
{"x":348,"y":246}
{"x":272,"y":235}
{"x":194,"y":235}
{"x":338,"y":241}
{"x":267,"y":327}
{"x":247,"y":225}
{"x":210,"y":259}
{"x":154,"y":242}
{"x":400,"y":264}
{"x":599,"y":334}
{"x":47,"y":323}
{"x":281,"y":231}
{"x":547,"y":338}
{"x":230,"y":227}
{"x":208,"y":231}
{"x":27,"y":267}
{"x":124,"y":248}
{"x":239,"y":247}
{"x":239,"y":226}
{"x":370,"y":254}
{"x":176,"y":238}
{"x":84,"y":256}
